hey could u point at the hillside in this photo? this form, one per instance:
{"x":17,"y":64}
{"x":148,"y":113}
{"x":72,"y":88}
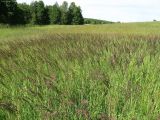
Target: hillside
{"x":96,"y":21}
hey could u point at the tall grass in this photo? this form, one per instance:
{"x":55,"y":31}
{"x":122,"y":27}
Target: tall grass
{"x":80,"y":76}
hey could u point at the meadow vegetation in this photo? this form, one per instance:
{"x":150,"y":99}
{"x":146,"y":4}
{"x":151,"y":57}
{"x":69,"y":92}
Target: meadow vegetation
{"x":90,"y":72}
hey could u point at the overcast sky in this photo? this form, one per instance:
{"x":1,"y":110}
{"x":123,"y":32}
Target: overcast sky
{"x":115,"y":10}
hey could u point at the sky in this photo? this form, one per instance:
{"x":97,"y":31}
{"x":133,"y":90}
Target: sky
{"x":115,"y":10}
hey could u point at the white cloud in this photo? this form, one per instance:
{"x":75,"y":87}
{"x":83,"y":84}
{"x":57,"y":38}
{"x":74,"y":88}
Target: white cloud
{"x":116,"y":10}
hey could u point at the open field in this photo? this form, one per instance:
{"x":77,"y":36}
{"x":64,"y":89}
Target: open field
{"x":90,"y":72}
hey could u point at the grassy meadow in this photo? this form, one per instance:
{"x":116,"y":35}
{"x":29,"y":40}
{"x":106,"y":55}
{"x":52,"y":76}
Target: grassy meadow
{"x":89,"y":72}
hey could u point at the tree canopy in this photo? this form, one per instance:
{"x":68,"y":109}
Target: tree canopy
{"x":54,"y":14}
{"x":38,"y":13}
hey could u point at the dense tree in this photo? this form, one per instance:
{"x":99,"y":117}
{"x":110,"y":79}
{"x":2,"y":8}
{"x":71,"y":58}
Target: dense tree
{"x":55,"y":14}
{"x":12,"y":9}
{"x":71,"y":12}
{"x":8,"y":9}
{"x":37,"y":13}
{"x":25,"y":12}
{"x":64,"y":13}
{"x":10,"y":13}
{"x":75,"y":15}
{"x":3,"y":11}
{"x":19,"y":17}
{"x":46,"y":19}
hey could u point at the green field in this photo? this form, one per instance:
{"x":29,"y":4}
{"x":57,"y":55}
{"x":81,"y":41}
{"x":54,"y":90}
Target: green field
{"x":89,"y":72}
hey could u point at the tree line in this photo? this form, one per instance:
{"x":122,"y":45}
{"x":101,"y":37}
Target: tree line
{"x":37,"y":13}
{"x":96,"y":21}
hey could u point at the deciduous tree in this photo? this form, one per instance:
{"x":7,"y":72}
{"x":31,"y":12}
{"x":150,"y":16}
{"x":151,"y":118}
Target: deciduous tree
{"x":55,"y":14}
{"x":64,"y":13}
